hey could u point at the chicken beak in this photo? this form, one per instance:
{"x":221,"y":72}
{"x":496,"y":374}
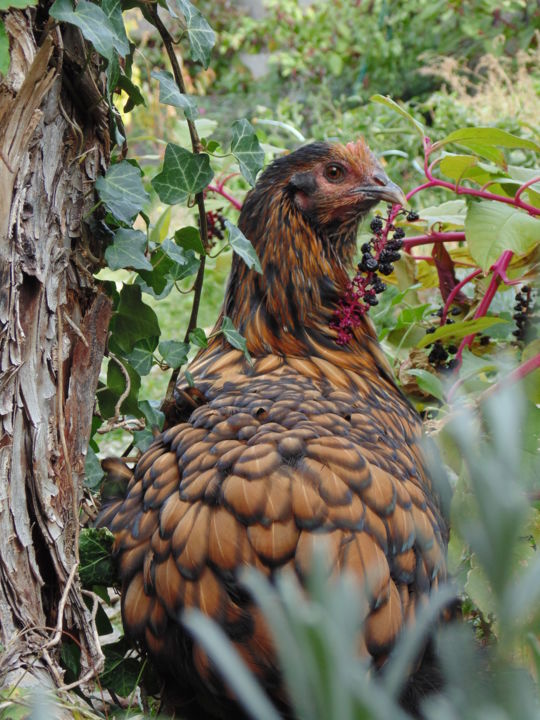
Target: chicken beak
{"x":388,"y":191}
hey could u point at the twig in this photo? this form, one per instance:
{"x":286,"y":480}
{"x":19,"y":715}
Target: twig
{"x":61,"y":605}
{"x":127,"y":390}
{"x":76,"y":329}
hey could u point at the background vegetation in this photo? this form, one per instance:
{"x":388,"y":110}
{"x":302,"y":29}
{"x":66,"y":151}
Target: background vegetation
{"x":458,"y":320}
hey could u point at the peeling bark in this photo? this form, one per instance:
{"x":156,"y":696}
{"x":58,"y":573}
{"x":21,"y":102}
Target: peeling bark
{"x":54,"y":143}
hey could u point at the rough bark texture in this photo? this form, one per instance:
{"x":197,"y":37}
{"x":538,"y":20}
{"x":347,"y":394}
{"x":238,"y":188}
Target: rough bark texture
{"x":53,"y":323}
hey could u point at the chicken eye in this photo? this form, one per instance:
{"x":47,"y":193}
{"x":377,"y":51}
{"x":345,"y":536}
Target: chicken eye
{"x":334,"y":172}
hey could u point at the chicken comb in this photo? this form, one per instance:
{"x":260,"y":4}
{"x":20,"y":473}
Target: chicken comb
{"x":358,"y":152}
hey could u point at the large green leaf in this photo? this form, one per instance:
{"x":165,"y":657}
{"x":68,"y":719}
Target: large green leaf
{"x":94,"y":24}
{"x":189,"y":238}
{"x":242,"y":246}
{"x":486,"y":137}
{"x":451,"y":213}
{"x":113,"y":11}
{"x":128,"y":251}
{"x":492,"y":227}
{"x":122,"y":191}
{"x":120,"y":673}
{"x":384,"y":100}
{"x":169,"y":94}
{"x":428,"y":382}
{"x":201,"y":36}
{"x":459,"y":330}
{"x":183,"y":174}
{"x":246,"y":148}
{"x":455,"y":166}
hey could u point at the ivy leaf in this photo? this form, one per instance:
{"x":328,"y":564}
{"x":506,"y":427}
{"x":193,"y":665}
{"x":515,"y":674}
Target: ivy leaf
{"x":116,"y":386}
{"x":93,"y":472}
{"x":384,"y":100}
{"x":201,"y":36}
{"x":135,"y":96}
{"x":94,"y":25}
{"x":113,"y":11}
{"x":174,"y":352}
{"x":459,"y":330}
{"x":120,"y":673}
{"x":96,"y":562}
{"x":242,"y":246}
{"x":169,"y":94}
{"x":141,"y":358}
{"x":174,"y":252}
{"x":232,"y":335}
{"x":491,"y":228}
{"x":127,"y":251}
{"x":4,"y":50}
{"x":132,"y":321}
{"x":183,"y":174}
{"x":122,"y":191}
{"x":198,"y":338}
{"x":247,"y":150}
{"x":189,"y":238}
{"x":152,"y":414}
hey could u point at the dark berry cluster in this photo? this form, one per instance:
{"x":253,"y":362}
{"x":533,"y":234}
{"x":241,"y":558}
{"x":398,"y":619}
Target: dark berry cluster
{"x":523,"y":312}
{"x":378,"y":256}
{"x":439,"y":355}
{"x":216,"y":224}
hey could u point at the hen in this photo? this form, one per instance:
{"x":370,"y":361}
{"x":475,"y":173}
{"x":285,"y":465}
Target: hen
{"x":313,"y":439}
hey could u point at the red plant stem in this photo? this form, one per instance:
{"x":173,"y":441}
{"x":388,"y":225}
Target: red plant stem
{"x":415,"y":240}
{"x":454,"y":292}
{"x":498,"y":268}
{"x":516,"y":375}
{"x":525,"y":186}
{"x":220,"y":191}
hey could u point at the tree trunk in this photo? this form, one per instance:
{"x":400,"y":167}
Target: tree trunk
{"x":54,"y":142}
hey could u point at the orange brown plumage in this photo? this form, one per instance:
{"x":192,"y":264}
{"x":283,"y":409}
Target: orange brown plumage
{"x":311,"y":440}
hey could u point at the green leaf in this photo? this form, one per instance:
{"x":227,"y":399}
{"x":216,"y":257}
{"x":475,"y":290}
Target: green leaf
{"x":198,"y":338}
{"x":234,"y":337}
{"x":242,"y":247}
{"x":169,"y":94}
{"x":134,"y":93}
{"x":152,"y":414}
{"x":94,"y":25}
{"x":183,"y":174}
{"x":174,"y":252}
{"x":230,"y":664}
{"x":201,"y":36}
{"x":428,"y":383}
{"x":459,"y":330}
{"x":93,"y":472}
{"x":385,"y":100}
{"x":189,"y":238}
{"x":96,"y":561}
{"x":174,"y":352}
{"x":127,"y":251}
{"x":492,"y":227}
{"x":486,"y":137}
{"x":113,"y":11}
{"x":19,"y":4}
{"x":448,"y":213}
{"x":122,"y":191}
{"x":161,"y":228}
{"x":455,"y":166}
{"x":116,"y":386}
{"x":246,"y":148}
{"x":4,"y":50}
{"x":133,"y":320}
{"x":120,"y":673}
{"x":141,"y":358}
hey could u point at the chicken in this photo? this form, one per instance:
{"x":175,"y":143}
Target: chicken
{"x":313,"y":439}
